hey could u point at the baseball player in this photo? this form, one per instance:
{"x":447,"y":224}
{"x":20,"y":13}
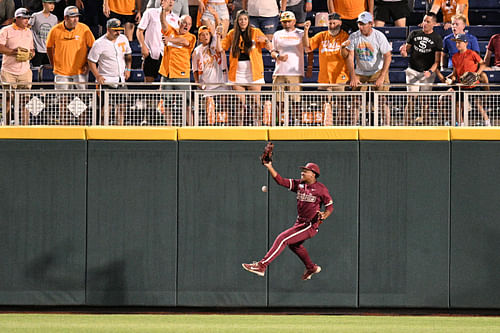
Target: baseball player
{"x":310,"y":195}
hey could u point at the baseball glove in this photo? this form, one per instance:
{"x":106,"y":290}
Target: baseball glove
{"x":22,"y":54}
{"x":267,"y":155}
{"x":468,"y":78}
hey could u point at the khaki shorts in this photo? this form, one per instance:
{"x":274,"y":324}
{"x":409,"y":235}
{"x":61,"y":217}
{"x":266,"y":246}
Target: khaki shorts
{"x":283,"y":79}
{"x":7,"y":77}
{"x":416,"y":77}
{"x":371,"y":79}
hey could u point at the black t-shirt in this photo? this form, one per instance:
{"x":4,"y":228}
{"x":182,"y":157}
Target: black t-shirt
{"x":423,"y":49}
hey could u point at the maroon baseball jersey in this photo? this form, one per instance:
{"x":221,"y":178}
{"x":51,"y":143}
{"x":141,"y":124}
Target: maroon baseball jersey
{"x":309,"y":196}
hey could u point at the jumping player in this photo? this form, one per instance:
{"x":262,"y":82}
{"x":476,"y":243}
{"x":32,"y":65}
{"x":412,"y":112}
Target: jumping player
{"x":310,"y":195}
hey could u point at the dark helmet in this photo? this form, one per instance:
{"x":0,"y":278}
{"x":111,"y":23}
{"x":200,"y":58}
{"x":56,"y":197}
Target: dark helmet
{"x":313,"y":167}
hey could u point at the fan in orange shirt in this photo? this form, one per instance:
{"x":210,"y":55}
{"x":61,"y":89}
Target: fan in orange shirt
{"x":349,"y":11}
{"x":246,"y":66}
{"x":127,"y":11}
{"x":451,"y":8}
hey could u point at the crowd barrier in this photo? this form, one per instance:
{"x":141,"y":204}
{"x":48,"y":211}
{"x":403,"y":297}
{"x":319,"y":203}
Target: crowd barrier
{"x":160,"y":104}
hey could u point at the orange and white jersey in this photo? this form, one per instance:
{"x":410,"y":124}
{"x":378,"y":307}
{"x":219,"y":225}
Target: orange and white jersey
{"x":449,"y":8}
{"x":332,"y":66}
{"x":290,"y":44}
{"x":210,"y":65}
{"x":176,"y":61}
{"x":110,"y":57}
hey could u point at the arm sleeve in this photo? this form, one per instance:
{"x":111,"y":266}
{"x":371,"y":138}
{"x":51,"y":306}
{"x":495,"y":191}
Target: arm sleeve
{"x":314,"y":42}
{"x":226,"y":42}
{"x":285,"y":182}
{"x":328,"y":201}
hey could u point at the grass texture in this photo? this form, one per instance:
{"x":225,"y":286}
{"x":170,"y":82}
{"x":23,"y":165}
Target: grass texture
{"x":79,"y":323}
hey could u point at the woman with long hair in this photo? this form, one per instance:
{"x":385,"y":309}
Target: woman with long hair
{"x":246,"y":67}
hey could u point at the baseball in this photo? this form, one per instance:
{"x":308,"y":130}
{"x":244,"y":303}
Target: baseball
{"x":264,"y":188}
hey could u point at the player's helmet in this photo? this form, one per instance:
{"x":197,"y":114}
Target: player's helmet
{"x":313,"y":167}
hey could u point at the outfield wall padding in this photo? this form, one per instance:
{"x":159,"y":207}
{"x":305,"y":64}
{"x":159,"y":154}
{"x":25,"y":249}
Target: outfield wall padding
{"x":119,"y":218}
{"x":42,"y":222}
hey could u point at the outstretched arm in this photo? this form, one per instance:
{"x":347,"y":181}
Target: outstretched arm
{"x":271,"y":170}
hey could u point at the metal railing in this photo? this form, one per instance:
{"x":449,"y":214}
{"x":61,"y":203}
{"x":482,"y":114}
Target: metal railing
{"x":157,"y":105}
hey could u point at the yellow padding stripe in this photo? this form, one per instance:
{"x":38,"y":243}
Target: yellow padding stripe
{"x":217,"y":133}
{"x":405,"y":133}
{"x":314,"y":133}
{"x":131,"y":133}
{"x":484,"y":133}
{"x":43,"y":132}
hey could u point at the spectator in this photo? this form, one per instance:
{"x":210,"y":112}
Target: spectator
{"x":424,"y":47}
{"x":180,"y":7}
{"x":349,"y":10}
{"x":466,"y":60}
{"x":246,"y":66}
{"x":332,"y":57}
{"x":7,"y":9}
{"x":127,"y":11}
{"x":234,"y":7}
{"x":372,"y":52}
{"x":209,"y":67}
{"x":449,"y":46}
{"x":299,"y":8}
{"x":493,"y":48}
{"x":176,"y":64}
{"x":15,"y":70}
{"x":264,"y":15}
{"x":451,"y":8}
{"x":150,"y":38}
{"x":41,"y":23}
{"x":288,"y":52}
{"x":110,"y":59}
{"x":68,"y":44}
{"x":395,"y":10}
{"x":207,"y":18}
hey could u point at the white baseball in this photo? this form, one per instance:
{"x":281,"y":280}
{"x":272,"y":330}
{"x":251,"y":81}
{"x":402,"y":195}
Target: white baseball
{"x":264,"y":188}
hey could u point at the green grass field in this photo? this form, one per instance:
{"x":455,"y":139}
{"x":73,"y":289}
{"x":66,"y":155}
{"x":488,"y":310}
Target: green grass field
{"x":77,"y":323}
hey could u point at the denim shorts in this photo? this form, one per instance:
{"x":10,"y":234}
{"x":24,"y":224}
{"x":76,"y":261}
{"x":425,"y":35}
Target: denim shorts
{"x":268,"y":25}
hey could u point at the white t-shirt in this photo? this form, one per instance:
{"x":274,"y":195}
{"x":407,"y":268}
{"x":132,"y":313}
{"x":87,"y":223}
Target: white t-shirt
{"x":150,"y":23}
{"x":263,"y":8}
{"x":110,"y":57}
{"x":369,"y":51}
{"x":289,"y":43}
{"x":210,"y":65}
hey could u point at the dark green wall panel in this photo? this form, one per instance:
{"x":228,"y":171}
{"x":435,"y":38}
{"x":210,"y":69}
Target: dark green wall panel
{"x":335,"y":247}
{"x":132,"y":223}
{"x":475,"y":225}
{"x":42,"y":223}
{"x":404,"y":224}
{"x":222,"y":223}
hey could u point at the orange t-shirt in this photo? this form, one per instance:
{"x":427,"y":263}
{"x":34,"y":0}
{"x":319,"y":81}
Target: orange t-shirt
{"x":255,"y":54}
{"x":332,"y":66}
{"x":349,"y":9}
{"x":123,"y":7}
{"x":465,"y":62}
{"x":449,"y":11}
{"x":176,"y":61}
{"x":70,"y":48}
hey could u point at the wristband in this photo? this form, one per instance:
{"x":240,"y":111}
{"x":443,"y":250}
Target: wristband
{"x":430,"y":71}
{"x":308,"y":1}
{"x":128,"y":69}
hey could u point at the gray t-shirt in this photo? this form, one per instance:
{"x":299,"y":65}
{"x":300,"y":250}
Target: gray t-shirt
{"x":181,"y":7}
{"x":369,"y":51}
{"x":41,"y":25}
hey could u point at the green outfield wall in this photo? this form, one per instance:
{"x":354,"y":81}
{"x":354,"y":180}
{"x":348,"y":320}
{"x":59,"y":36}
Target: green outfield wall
{"x":165,"y":217}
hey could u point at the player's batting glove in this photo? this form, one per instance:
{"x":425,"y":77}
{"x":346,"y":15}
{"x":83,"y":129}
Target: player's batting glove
{"x":267,"y":155}
{"x":23,"y":54}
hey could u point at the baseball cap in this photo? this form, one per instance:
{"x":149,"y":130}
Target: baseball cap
{"x":71,"y":11}
{"x":202,"y":28}
{"x":49,"y":0}
{"x":365,"y":17}
{"x":334,"y":16}
{"x":287,"y":16}
{"x":22,"y":12}
{"x":311,"y":166}
{"x":461,"y":37}
{"x":114,"y":24}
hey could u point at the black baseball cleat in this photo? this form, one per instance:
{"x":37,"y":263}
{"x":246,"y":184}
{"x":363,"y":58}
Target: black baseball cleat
{"x":256,"y":268}
{"x":308,"y":273}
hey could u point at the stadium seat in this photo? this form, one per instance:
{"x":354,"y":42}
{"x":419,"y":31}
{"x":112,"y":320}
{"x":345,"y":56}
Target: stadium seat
{"x":394,"y":33}
{"x":483,"y":32}
{"x":483,"y":16}
{"x":419,"y":5}
{"x":35,"y":74}
{"x":136,"y":75}
{"x":483,"y":44}
{"x":46,"y":74}
{"x":396,"y":45}
{"x":313,"y":78}
{"x":136,"y":60}
{"x":269,"y":62}
{"x":493,"y":76}
{"x":135,"y":46}
{"x":484,"y":4}
{"x":397,"y":76}
{"x":399,"y":62}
